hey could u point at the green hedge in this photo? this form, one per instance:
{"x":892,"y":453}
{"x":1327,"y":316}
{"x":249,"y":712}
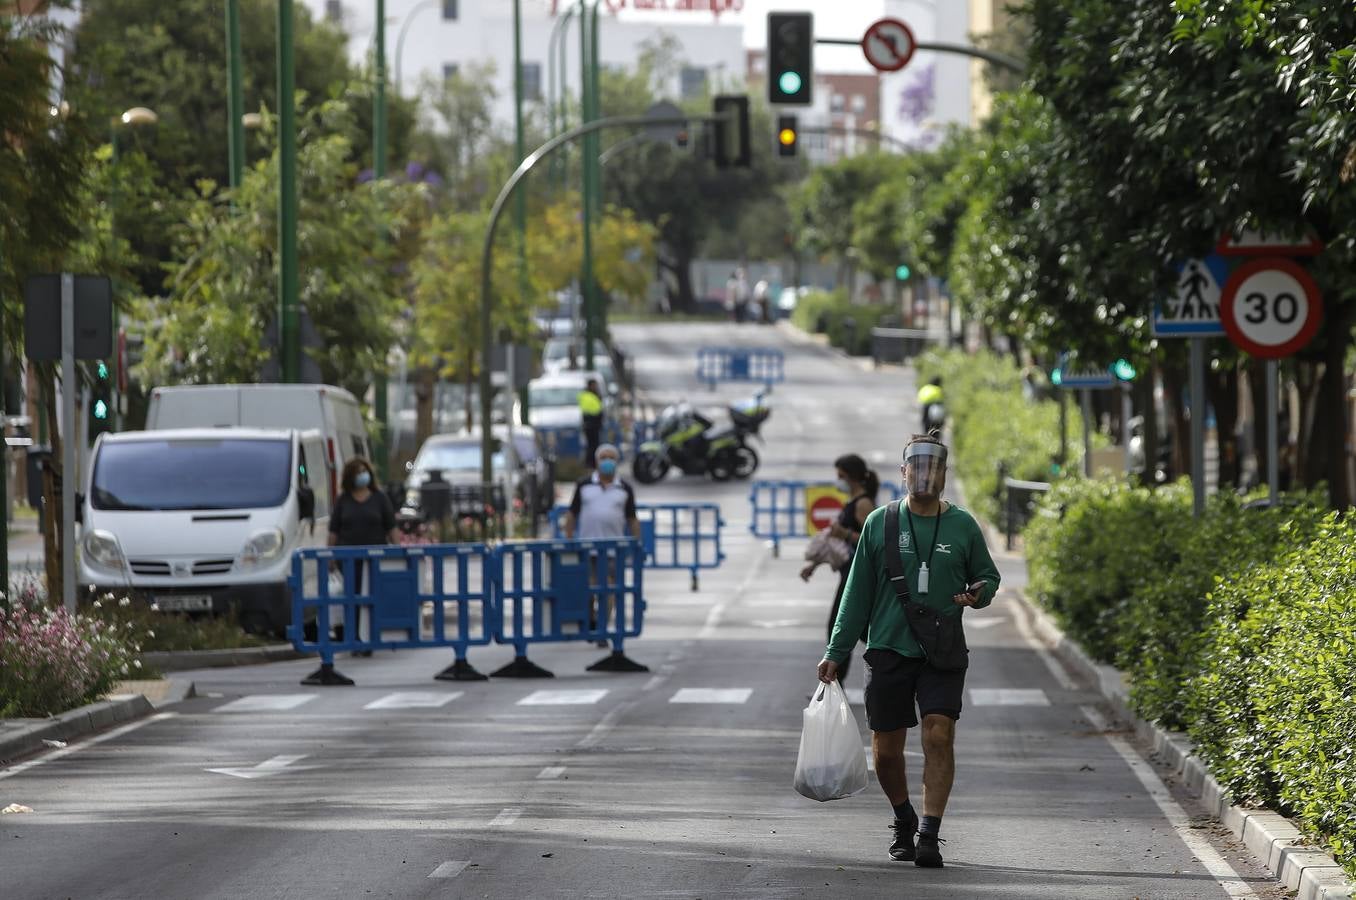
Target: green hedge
{"x":1237,"y":626}
{"x":829,"y":313}
{"x":993,"y":423}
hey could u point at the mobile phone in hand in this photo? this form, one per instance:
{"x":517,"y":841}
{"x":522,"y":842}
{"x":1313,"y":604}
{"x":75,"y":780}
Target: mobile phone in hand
{"x":975,"y":588}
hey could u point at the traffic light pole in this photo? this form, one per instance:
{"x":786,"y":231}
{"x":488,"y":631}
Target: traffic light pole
{"x":1002,"y":60}
{"x":288,"y":314}
{"x":379,"y":410}
{"x":487,"y":250}
{"x":588,"y":68}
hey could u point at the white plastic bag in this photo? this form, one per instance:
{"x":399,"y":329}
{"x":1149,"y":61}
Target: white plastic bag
{"x":832,"y":760}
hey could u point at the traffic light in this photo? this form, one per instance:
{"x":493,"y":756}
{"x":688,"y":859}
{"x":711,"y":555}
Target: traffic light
{"x":732,"y":131}
{"x":1057,"y":376}
{"x":788,"y":135}
{"x":1124,"y":370}
{"x":101,"y":401}
{"x":902,"y":272}
{"x":790,"y":57}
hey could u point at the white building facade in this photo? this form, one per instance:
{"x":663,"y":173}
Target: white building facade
{"x":440,"y":37}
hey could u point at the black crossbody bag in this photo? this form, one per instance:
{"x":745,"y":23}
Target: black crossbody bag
{"x":941,"y":637}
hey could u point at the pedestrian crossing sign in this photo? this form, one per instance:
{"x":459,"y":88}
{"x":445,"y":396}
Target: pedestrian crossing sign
{"x":1192,"y":310}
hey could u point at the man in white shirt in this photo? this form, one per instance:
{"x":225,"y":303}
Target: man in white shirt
{"x":603,"y":506}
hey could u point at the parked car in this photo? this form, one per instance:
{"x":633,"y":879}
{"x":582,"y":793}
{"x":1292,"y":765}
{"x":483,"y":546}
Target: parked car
{"x":205,"y":520}
{"x":457,"y":458}
{"x":331,"y":410}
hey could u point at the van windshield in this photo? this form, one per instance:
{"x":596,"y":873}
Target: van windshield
{"x":210,"y":473}
{"x":544,"y":397}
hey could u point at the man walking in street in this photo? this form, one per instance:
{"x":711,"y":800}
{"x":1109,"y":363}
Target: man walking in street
{"x":603,"y":506}
{"x":591,"y":417}
{"x":911,"y":607}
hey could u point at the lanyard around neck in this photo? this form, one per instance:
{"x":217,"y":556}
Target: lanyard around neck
{"x":935,"y":528}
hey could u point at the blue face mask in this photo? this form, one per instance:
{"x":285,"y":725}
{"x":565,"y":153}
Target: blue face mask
{"x":362,"y":479}
{"x":607,"y":467}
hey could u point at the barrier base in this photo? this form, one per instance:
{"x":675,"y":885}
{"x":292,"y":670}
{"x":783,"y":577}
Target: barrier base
{"x":617,"y":662}
{"x":461,"y":670}
{"x":522,"y":667}
{"x":326,"y":677}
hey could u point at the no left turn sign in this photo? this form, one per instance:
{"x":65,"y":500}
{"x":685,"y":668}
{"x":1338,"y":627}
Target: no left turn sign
{"x":1271,"y":307}
{"x":889,"y":45}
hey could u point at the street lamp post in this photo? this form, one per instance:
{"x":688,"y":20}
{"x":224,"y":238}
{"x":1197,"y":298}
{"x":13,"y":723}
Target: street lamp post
{"x":404,"y":29}
{"x":379,"y":172}
{"x":136,"y":117}
{"x":235,"y":93}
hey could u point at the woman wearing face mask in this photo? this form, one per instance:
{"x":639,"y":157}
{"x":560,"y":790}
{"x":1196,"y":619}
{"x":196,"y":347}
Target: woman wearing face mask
{"x":860,"y":483}
{"x":362,"y":517}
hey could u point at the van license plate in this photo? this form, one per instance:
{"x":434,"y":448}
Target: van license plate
{"x":185,"y":603}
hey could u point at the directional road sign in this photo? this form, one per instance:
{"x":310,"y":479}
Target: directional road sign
{"x":889,"y":45}
{"x":1193,"y":308}
{"x":1271,"y":307}
{"x":1088,"y":378}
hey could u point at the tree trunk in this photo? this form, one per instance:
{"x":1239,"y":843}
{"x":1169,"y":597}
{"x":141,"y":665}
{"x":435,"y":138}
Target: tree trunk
{"x":681,"y":298}
{"x":1309,"y":466}
{"x":425,"y":387}
{"x":1222,"y":389}
{"x":1332,"y":402}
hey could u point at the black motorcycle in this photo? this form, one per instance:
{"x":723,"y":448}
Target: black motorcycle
{"x":690,"y":442}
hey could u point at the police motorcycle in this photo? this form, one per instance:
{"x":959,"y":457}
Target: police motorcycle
{"x":690,"y":442}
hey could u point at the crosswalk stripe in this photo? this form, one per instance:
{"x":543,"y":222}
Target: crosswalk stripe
{"x":562,"y":698}
{"x":265,"y":703}
{"x":711,"y":695}
{"x":450,"y":869}
{"x":506,"y":817}
{"x":550,"y":773}
{"x":1008,"y":697}
{"x":413,"y":700}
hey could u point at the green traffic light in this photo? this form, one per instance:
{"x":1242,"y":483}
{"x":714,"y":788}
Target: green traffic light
{"x":789,"y":82}
{"x":100,"y":409}
{"x":102,"y":370}
{"x":902,"y":272}
{"x":1124,"y":370}
{"x":1057,"y":376}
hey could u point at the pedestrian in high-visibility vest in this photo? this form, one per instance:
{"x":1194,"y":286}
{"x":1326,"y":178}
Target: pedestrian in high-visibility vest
{"x":591,"y":412}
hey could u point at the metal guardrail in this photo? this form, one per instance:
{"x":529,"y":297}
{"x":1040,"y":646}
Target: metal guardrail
{"x":780,"y":511}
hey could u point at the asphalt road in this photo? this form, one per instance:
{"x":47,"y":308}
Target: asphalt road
{"x":672,"y":783}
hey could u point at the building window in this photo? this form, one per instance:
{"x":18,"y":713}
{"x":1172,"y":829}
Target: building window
{"x":334,"y":10}
{"x":450,"y":10}
{"x":693,"y":82}
{"x":858,"y":104}
{"x":449,"y":71}
{"x":531,"y":81}
{"x":837,"y":103}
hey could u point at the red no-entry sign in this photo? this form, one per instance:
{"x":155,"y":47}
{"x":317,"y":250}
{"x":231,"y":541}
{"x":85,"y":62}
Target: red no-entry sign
{"x":889,"y":45}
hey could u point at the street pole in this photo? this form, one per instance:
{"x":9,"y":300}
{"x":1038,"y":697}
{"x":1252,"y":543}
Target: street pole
{"x":1273,"y":431}
{"x":1085,"y":407}
{"x":234,"y":94}
{"x":1127,"y":410}
{"x":588,"y":67}
{"x":379,"y":409}
{"x":288,"y":314}
{"x":1197,"y":362}
{"x":68,"y":464}
{"x":520,"y":201}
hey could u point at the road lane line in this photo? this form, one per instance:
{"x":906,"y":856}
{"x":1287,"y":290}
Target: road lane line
{"x":605,"y":724}
{"x":718,"y":611}
{"x":265,"y":703}
{"x":506,"y":817}
{"x":1008,"y":697}
{"x":74,"y":748}
{"x":1223,"y":873}
{"x":654,"y":682}
{"x":450,"y":869}
{"x":413,"y":700}
{"x":562,"y":698}
{"x":550,"y":773}
{"x":712,"y":695}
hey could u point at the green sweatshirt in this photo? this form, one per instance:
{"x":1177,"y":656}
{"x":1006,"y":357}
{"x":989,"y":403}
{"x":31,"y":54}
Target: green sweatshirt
{"x":960,"y":559}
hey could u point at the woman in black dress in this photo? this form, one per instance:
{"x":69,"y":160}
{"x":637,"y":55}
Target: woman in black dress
{"x":362,"y":517}
{"x":860,"y":483}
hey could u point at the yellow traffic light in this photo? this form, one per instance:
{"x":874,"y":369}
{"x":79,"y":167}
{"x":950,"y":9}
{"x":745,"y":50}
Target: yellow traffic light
{"x":787,"y":136}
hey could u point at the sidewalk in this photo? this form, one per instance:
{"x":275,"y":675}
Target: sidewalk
{"x":25,"y":547}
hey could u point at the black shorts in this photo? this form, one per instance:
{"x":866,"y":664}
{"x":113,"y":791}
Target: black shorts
{"x":895,"y":684}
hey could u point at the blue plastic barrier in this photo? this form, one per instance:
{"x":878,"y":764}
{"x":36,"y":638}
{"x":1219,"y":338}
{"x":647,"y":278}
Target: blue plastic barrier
{"x":550,"y":591}
{"x":779,"y":508}
{"x":389,"y":598}
{"x":567,"y":441}
{"x":760,"y":364}
{"x":674,"y":535}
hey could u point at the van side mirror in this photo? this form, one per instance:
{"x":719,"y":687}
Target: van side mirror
{"x":306,"y":502}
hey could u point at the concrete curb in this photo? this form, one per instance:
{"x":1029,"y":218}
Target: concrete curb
{"x":1311,"y":873}
{"x":23,"y":737}
{"x":180,"y":660}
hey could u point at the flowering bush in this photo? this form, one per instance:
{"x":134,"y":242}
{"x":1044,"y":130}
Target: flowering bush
{"x":51,"y":661}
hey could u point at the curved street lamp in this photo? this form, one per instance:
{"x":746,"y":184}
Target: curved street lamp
{"x":404,"y":29}
{"x":139,"y":115}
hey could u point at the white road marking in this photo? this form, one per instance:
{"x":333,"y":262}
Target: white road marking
{"x":75,"y":748}
{"x":265,"y":703}
{"x":450,"y":869}
{"x":413,"y":700}
{"x":871,"y":759}
{"x":982,"y":623}
{"x":718,"y":611}
{"x":562,"y":698}
{"x":1008,"y":697}
{"x":1224,"y":874}
{"x":711,"y":695}
{"x":506,"y":817}
{"x":778,"y":623}
{"x":550,"y":773}
{"x":264,"y":769}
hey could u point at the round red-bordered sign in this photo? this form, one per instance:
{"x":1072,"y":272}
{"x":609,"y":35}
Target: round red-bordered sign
{"x":888,"y":45}
{"x":825,"y":510}
{"x":1271,"y":307}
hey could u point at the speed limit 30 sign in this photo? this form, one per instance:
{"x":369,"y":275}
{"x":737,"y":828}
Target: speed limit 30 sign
{"x":1270,"y":307}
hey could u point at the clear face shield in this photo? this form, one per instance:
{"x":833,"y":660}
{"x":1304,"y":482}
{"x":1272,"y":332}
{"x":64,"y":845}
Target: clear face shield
{"x":925,"y":469}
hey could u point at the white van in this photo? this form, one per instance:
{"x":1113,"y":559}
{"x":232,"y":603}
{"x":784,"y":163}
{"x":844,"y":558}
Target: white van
{"x":204,"y":519}
{"x":331,"y":410}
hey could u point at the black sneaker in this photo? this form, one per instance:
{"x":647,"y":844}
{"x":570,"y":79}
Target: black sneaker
{"x":929,"y":855}
{"x":901,"y":848}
